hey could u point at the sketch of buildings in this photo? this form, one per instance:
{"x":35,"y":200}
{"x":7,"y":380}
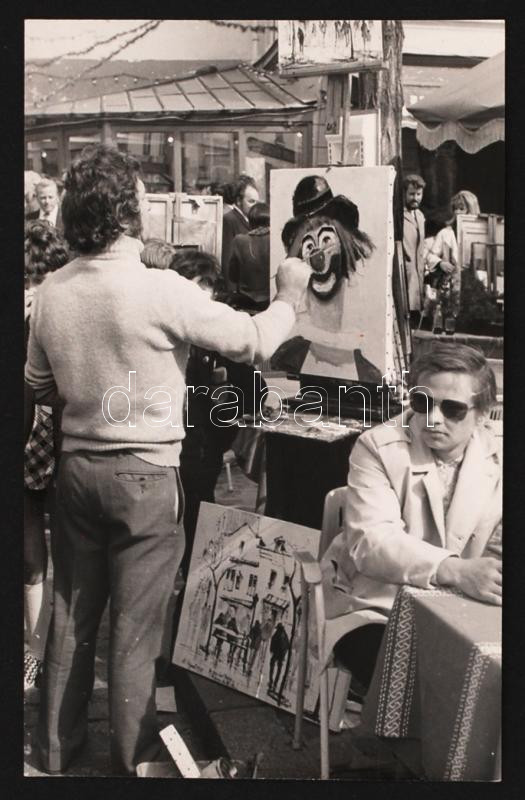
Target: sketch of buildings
{"x":242,"y":606}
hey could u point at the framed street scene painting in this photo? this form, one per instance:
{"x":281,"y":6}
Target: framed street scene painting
{"x":241,"y":616}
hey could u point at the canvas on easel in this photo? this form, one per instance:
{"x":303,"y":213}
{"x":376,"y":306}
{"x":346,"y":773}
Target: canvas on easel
{"x":481,"y":246}
{"x":197,"y":221}
{"x":187,"y":220}
{"x":340,"y":220}
{"x":241,"y":615}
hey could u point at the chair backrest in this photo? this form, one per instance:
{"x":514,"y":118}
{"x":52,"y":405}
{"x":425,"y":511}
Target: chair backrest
{"x":333,"y":517}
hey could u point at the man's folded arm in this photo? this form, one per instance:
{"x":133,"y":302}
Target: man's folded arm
{"x":376,"y":534}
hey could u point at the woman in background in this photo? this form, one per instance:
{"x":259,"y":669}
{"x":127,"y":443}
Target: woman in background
{"x":45,"y":251}
{"x":442,"y":261}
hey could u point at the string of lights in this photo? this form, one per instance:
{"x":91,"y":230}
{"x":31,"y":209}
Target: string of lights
{"x":112,"y":76}
{"x":71,"y":81}
{"x":92,"y":47}
{"x":240,"y":26}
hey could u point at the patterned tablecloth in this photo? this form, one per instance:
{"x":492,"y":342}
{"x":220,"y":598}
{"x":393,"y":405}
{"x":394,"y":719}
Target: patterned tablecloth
{"x":438,"y":680}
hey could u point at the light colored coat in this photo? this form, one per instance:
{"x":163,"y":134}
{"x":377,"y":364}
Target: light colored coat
{"x":395,"y":525}
{"x":414,"y":257}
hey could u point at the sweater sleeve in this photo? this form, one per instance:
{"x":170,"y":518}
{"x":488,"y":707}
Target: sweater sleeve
{"x":189,"y":314}
{"x":38,"y":372}
{"x":376,"y":535}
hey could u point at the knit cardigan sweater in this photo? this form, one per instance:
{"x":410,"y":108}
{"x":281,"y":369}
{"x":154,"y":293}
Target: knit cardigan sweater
{"x":111,"y":338}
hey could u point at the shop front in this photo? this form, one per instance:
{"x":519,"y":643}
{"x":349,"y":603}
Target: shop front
{"x":188,"y":135}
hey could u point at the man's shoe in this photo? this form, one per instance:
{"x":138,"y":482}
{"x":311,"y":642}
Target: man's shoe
{"x":60,"y":770}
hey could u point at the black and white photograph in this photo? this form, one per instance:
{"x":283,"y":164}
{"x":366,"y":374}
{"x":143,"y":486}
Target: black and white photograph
{"x":264,"y":304}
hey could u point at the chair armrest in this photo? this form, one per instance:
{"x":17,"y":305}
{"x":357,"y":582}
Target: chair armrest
{"x":310,"y":566}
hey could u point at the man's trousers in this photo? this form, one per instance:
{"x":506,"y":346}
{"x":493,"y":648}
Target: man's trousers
{"x":116,"y":535}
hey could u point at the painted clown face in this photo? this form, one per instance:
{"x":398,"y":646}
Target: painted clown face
{"x":320,"y":247}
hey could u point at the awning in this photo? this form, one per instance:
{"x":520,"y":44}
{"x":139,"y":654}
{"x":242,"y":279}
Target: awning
{"x":470,"y":110}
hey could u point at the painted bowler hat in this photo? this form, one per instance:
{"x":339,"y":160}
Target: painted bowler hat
{"x":313,"y":198}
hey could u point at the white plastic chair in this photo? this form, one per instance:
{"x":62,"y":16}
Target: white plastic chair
{"x":333,"y":518}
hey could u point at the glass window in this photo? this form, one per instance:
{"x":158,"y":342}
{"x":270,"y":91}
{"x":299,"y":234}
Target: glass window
{"x":154,"y":151}
{"x":42,"y":156}
{"x":264,"y":151}
{"x":77,"y":143}
{"x":208,"y":158}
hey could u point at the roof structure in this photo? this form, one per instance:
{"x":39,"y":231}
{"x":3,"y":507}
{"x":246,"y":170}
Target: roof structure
{"x":239,"y":89}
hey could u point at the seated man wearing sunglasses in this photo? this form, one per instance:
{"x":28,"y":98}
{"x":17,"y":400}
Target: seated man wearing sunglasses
{"x":424,"y":502}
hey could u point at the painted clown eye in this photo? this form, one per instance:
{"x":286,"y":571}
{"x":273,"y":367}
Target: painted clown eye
{"x":327,"y":237}
{"x":308,"y":246}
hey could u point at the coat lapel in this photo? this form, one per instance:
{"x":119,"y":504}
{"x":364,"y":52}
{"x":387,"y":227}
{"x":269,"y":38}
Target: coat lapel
{"x":423,"y":464}
{"x":476,"y":481}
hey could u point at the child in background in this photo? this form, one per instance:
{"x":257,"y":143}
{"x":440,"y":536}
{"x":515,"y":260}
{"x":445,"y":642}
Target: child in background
{"x":157,"y":254}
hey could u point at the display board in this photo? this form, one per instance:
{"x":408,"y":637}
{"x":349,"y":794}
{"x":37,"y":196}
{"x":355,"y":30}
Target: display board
{"x":187,"y":220}
{"x":241,"y":615}
{"x":318,"y":46}
{"x":481,"y":240}
{"x":350,"y":334}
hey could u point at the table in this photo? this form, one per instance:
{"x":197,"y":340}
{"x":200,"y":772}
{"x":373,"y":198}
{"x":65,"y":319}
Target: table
{"x":304,"y":461}
{"x":438,"y":680}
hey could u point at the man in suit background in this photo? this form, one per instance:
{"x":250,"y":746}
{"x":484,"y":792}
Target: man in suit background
{"x":48,"y":200}
{"x":245,"y":195}
{"x":414,"y":244}
{"x":410,"y":516}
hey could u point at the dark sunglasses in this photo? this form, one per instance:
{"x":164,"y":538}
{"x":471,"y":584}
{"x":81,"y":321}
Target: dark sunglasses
{"x":451,"y":409}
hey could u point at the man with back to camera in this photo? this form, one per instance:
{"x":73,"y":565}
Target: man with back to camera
{"x":110,"y":339}
{"x":410,"y":516}
{"x":47,"y":197}
{"x":414,"y":244}
{"x":245,"y":195}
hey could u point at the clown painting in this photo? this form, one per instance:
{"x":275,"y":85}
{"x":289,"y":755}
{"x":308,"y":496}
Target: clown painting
{"x":339,"y":220}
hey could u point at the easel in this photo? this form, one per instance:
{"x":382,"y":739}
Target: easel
{"x":338,"y":113}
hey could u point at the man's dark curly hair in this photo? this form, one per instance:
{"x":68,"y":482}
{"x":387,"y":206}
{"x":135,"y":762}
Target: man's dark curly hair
{"x":100,"y":202}
{"x":192,"y":263}
{"x":239,"y":187}
{"x":46,"y":249}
